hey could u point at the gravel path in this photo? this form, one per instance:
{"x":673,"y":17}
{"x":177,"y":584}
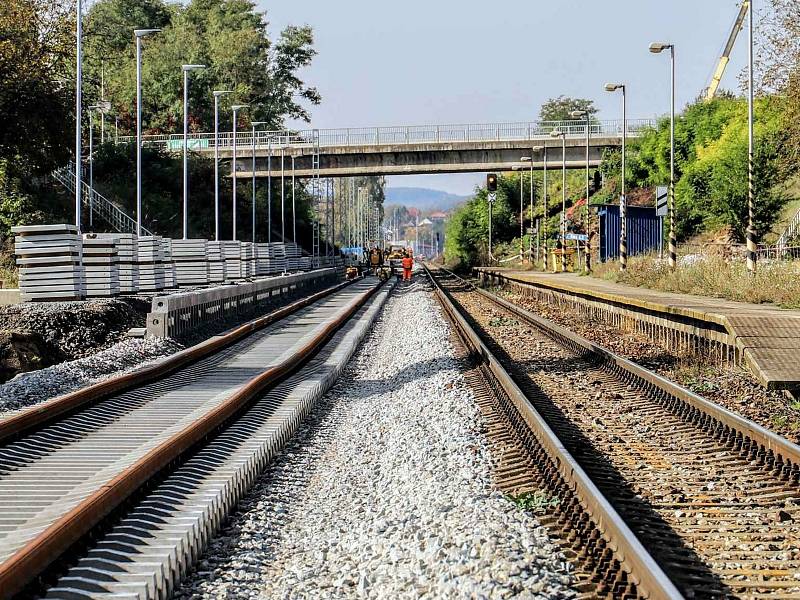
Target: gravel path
{"x":37,"y":386}
{"x":386,"y":491}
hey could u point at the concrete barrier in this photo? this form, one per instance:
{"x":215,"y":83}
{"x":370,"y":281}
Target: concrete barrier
{"x":176,"y":315}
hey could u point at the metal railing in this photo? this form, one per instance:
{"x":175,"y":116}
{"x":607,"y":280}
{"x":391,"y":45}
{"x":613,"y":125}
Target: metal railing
{"x":101,"y":206}
{"x":404,"y":134}
{"x":791,"y":232}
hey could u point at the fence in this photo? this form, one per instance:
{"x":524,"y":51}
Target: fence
{"x":402,"y":134}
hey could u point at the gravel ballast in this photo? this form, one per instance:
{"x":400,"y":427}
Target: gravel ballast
{"x":386,"y":490}
{"x":31,"y":388}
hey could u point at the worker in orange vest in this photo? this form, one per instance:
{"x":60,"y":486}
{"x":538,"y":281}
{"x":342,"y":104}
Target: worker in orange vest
{"x":408,"y":264}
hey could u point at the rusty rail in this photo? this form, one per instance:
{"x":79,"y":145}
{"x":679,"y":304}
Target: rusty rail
{"x":643,"y":570}
{"x":36,"y":556}
{"x":51,"y":410}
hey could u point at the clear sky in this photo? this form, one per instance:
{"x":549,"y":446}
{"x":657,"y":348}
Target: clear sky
{"x":477,"y":61}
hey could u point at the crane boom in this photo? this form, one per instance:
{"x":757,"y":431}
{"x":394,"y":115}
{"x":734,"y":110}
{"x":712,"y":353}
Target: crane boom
{"x":726,"y":54}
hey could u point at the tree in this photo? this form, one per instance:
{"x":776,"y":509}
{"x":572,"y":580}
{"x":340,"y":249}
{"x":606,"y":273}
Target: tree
{"x":228,"y":36}
{"x":559,"y":109}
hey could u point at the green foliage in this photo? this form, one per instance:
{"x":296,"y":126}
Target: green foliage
{"x":710,"y":166}
{"x":538,"y":501}
{"x":228,"y":36}
{"x":559,"y":109}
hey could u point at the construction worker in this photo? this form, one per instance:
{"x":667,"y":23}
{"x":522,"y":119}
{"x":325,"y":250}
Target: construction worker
{"x":375,"y":260}
{"x":408,"y":264}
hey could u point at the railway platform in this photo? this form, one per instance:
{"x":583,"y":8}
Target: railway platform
{"x":765,"y":338}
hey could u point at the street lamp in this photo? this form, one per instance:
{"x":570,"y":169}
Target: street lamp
{"x":92,"y":108}
{"x":658,"y":48}
{"x":584,"y":114}
{"x":294,"y":222}
{"x":623,"y":202}
{"x":139,"y":33}
{"x":521,"y":170}
{"x":255,"y":124}
{"x":751,"y":231}
{"x":186,"y":69}
{"x":78,"y":108}
{"x":217,"y":95}
{"x":557,"y":133}
{"x":235,"y":108}
{"x":529,"y":159}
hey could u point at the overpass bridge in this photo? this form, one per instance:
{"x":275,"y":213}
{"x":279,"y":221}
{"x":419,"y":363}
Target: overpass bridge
{"x":406,"y":150}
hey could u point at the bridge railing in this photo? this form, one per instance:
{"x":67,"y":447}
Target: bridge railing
{"x":403,"y":134}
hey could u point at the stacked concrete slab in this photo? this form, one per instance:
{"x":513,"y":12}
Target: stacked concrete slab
{"x":279,"y":262}
{"x":216,"y":263}
{"x":127,"y":260}
{"x":101,"y":266}
{"x":232,"y":252}
{"x":151,"y":267}
{"x":49,"y":261}
{"x":293,"y":257}
{"x":263,"y":259}
{"x":170,"y":273}
{"x":248,"y":260}
{"x":191,"y":261}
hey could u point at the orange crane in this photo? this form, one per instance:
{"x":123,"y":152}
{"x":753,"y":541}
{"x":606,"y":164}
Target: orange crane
{"x":726,"y":54}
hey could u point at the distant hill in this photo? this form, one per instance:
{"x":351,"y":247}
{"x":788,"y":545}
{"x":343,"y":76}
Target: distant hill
{"x":423,"y":198}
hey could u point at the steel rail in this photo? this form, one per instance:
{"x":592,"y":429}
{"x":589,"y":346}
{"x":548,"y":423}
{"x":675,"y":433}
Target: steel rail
{"x":643,"y":570}
{"x":775,"y":448}
{"x":50,"y":411}
{"x":38,"y":554}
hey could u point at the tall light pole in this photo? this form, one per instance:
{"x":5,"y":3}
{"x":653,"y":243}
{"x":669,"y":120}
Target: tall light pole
{"x":751,"y":231}
{"x":556,"y":133}
{"x":578,"y":114}
{"x":657,"y":48}
{"x":269,"y":189}
{"x":294,"y":216}
{"x":623,"y":202}
{"x":78,"y":108}
{"x":529,"y":159}
{"x":139,"y":33}
{"x":235,"y":108}
{"x":521,"y":171}
{"x":255,"y":124}
{"x":92,"y":108}
{"x":217,"y":95}
{"x":283,"y":188}
{"x":186,"y":69}
{"x":544,"y":205}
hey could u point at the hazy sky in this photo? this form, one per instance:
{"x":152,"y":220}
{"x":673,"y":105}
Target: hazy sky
{"x":476,"y":61}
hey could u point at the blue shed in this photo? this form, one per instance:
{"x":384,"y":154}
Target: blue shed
{"x":645,"y":230}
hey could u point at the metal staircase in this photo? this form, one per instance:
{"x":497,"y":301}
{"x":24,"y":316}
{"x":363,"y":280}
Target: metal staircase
{"x":99,"y":205}
{"x":791,"y":232}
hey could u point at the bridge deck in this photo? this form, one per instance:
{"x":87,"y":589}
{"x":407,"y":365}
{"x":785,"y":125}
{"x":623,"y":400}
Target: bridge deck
{"x":767,"y":336}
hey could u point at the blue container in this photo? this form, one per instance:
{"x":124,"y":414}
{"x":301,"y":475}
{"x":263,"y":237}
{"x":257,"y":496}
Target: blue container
{"x":645,"y":231}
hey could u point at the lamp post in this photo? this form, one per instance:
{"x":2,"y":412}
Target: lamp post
{"x":217,"y":94}
{"x":78,"y":108}
{"x":253,"y":218}
{"x":529,"y":159}
{"x":577,"y":114}
{"x":294,"y":220}
{"x":283,"y":187}
{"x":623,"y":202}
{"x":139,"y":33}
{"x":235,"y":108}
{"x":751,"y":231}
{"x":186,"y":69}
{"x":544,"y":205}
{"x":657,"y":48}
{"x":521,"y":170}
{"x":92,"y":108}
{"x":556,"y":133}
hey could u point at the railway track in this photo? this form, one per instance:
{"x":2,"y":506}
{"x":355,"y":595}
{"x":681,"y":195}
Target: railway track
{"x":711,"y":498}
{"x":162,"y":453}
